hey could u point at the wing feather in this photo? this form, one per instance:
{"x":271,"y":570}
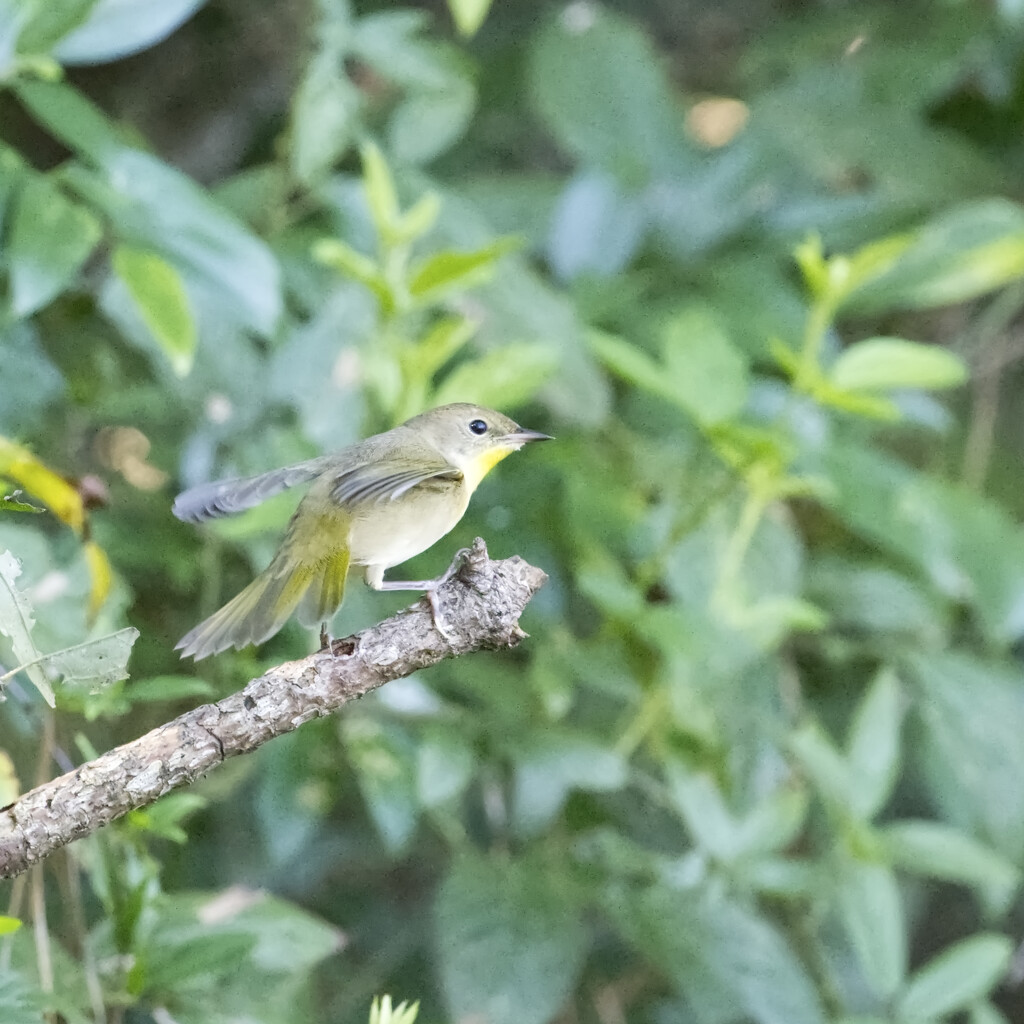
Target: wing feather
{"x":387,"y":479}
{"x":226,"y":497}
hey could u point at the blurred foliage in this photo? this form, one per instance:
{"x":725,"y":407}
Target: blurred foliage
{"x":761,"y":759}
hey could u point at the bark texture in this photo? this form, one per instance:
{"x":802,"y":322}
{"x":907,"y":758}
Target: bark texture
{"x":480,"y":608}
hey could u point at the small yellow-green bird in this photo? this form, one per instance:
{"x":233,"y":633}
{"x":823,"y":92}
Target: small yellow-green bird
{"x":374,"y":504}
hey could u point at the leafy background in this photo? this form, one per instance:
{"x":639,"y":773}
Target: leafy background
{"x":760,"y":268}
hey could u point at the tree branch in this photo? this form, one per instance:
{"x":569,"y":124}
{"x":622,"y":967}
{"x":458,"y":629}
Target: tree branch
{"x":480,"y":606}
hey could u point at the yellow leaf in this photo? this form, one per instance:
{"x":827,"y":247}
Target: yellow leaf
{"x":20,"y":465}
{"x":100,"y":574}
{"x":10,"y":787}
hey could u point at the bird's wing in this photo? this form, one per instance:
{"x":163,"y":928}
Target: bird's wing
{"x":226,"y":497}
{"x":386,"y":478}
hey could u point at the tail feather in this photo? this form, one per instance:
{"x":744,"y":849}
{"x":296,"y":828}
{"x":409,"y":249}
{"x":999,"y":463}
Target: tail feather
{"x":327,"y":590}
{"x":260,"y":610}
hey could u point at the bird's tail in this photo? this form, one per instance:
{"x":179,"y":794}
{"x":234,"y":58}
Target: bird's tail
{"x":260,"y":610}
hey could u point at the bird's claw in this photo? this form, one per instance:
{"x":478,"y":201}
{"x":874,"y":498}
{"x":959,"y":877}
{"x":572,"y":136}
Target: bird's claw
{"x":457,"y":565}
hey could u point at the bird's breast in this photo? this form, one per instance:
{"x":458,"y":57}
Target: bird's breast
{"x":391,"y":532}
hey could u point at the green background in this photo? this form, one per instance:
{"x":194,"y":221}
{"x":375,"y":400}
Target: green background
{"x":760,"y":268}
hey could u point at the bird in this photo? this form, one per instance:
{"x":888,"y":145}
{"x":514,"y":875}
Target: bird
{"x":374,"y":504}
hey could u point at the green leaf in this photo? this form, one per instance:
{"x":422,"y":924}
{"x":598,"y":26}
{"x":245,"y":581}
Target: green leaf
{"x":51,"y":237}
{"x":380,"y":191}
{"x":427,"y":123}
{"x":11,"y":503}
{"x":727,"y":961}
{"x":420,"y":217}
{"x":824,"y":764}
{"x":774,"y":823}
{"x":8,"y":925}
{"x":469,"y":15}
{"x":384,"y":759}
{"x":707,"y":373}
{"x":162,"y":301}
{"x":174,"y":964}
{"x":596,"y":228}
{"x":873,"y":748}
{"x":20,"y":1002}
{"x":864,"y":596}
{"x":957,"y":977}
{"x":939,"y":851}
{"x":972,"y":249}
{"x":591,"y":68}
{"x":288,"y":938}
{"x":161,"y":210}
{"x":14,"y":173}
{"x":872,"y":914}
{"x":448,"y":271}
{"x":163,"y":819}
{"x":965,"y":545}
{"x":72,"y":118}
{"x":551,"y":766}
{"x":504,"y":378}
{"x":629,"y":362}
{"x":239,"y":947}
{"x":16,"y":623}
{"x":441,"y":342}
{"x":92,"y":665}
{"x":703,"y":373}
{"x":973,"y":783}
{"x":870,"y":406}
{"x":709,"y":820}
{"x":810,"y":258}
{"x":40,"y":26}
{"x":114,"y":29}
{"x":603,"y":580}
{"x":884,"y":364}
{"x":280,"y":937}
{"x":383,"y":1012}
{"x":986,"y":1013}
{"x":445,"y":762}
{"x":325,"y":115}
{"x":510,"y":940}
{"x":334,"y":253}
{"x":160,"y":688}
{"x":154,"y":207}
{"x":23,"y":358}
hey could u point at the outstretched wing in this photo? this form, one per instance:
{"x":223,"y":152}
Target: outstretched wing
{"x":388,"y":477}
{"x":226,"y":497}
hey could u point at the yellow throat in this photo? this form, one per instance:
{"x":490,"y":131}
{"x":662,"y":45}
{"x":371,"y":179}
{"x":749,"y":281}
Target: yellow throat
{"x":480,"y":465}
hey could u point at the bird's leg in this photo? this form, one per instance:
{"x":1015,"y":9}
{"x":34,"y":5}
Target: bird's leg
{"x":375,"y":578}
{"x":325,"y":639}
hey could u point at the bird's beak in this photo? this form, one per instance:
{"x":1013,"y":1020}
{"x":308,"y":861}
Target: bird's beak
{"x":521,"y":437}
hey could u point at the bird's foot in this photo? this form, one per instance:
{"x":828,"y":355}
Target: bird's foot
{"x":453,"y":570}
{"x":326,"y":643}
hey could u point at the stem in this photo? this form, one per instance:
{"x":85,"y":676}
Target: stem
{"x":13,"y":910}
{"x":652,"y":711}
{"x":78,"y":923}
{"x":819,"y":319}
{"x":758,"y":499}
{"x":651,"y":569}
{"x":993,"y":341}
{"x":40,"y":929}
{"x":809,"y":949}
{"x":395,"y":266}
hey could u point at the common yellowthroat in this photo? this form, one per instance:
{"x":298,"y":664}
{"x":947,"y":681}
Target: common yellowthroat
{"x":374,"y":504}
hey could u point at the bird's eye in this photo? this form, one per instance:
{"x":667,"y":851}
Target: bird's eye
{"x":478,"y":427}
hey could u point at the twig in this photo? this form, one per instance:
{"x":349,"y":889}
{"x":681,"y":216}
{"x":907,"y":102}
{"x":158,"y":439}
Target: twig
{"x":480,"y":607}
